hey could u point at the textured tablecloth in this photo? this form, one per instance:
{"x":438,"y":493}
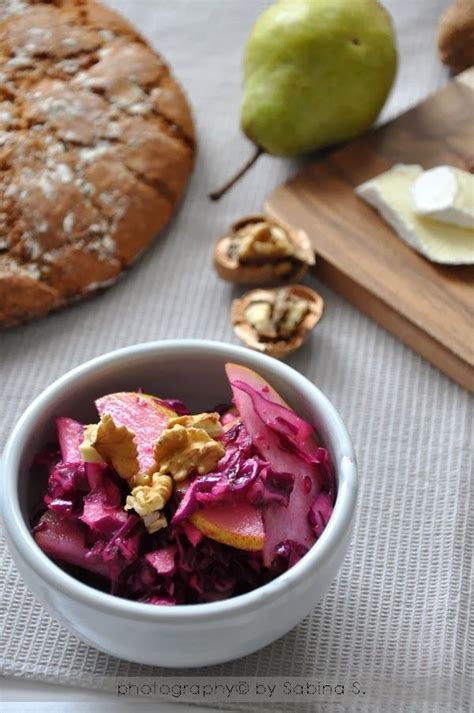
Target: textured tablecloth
{"x":397,"y":616}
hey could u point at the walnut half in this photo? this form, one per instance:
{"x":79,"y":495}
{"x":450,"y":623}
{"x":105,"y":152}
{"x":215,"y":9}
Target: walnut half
{"x":109,"y":443}
{"x":276,"y":321}
{"x":209,"y":422}
{"x":184,"y":449}
{"x":260,"y":250}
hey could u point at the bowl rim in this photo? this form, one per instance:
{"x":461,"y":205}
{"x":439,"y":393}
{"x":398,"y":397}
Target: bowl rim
{"x":25,"y":546}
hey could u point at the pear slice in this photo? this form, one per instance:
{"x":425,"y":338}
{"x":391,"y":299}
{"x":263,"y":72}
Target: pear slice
{"x":144,"y":415}
{"x":70,"y":437}
{"x":260,"y":408}
{"x":238,"y":372}
{"x":237,"y":524}
{"x":65,"y":540}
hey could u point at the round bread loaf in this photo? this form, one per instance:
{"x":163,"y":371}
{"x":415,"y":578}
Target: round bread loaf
{"x":96,"y":148}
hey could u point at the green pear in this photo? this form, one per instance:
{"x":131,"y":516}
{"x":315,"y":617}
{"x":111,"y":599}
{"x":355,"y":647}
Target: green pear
{"x":316,"y":72}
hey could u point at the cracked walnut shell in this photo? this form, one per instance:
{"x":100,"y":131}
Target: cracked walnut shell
{"x":276,"y":321}
{"x":96,"y":148}
{"x":260,"y":250}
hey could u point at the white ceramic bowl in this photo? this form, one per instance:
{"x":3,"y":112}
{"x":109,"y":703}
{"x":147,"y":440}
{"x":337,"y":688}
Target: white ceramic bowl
{"x":193,"y":635}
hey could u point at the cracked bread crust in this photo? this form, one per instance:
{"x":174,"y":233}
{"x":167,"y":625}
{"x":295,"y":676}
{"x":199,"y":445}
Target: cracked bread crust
{"x":96,"y":148}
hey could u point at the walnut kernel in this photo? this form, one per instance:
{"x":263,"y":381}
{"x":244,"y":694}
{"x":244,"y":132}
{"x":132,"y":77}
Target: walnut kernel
{"x":209,"y":422}
{"x":180,"y":451}
{"x":148,"y":501}
{"x":105,"y":441}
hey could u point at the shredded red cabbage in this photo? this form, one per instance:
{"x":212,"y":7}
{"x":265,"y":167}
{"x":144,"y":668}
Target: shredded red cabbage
{"x":95,"y":537}
{"x":83,"y":526}
{"x":287,"y":442}
{"x":320,"y":512}
{"x":67,"y":484}
{"x":239,"y":470}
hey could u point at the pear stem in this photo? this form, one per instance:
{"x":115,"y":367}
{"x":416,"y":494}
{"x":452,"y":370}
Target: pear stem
{"x":216,"y":195}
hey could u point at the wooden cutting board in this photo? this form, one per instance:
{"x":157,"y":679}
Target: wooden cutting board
{"x":429,"y":307}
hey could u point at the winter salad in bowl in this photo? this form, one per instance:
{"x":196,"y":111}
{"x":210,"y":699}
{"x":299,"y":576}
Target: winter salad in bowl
{"x":161,"y":505}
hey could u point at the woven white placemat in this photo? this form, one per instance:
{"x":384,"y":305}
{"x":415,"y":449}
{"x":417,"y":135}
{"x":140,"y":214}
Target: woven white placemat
{"x":397,"y":616}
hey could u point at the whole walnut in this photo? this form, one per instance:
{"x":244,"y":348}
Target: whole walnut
{"x":456,"y":36}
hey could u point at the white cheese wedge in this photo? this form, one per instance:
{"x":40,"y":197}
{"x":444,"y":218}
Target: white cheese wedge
{"x":391,"y":194}
{"x":447,"y":194}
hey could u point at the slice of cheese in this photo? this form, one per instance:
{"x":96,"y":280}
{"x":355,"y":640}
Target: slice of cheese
{"x":445,"y":193}
{"x":391,"y":194}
